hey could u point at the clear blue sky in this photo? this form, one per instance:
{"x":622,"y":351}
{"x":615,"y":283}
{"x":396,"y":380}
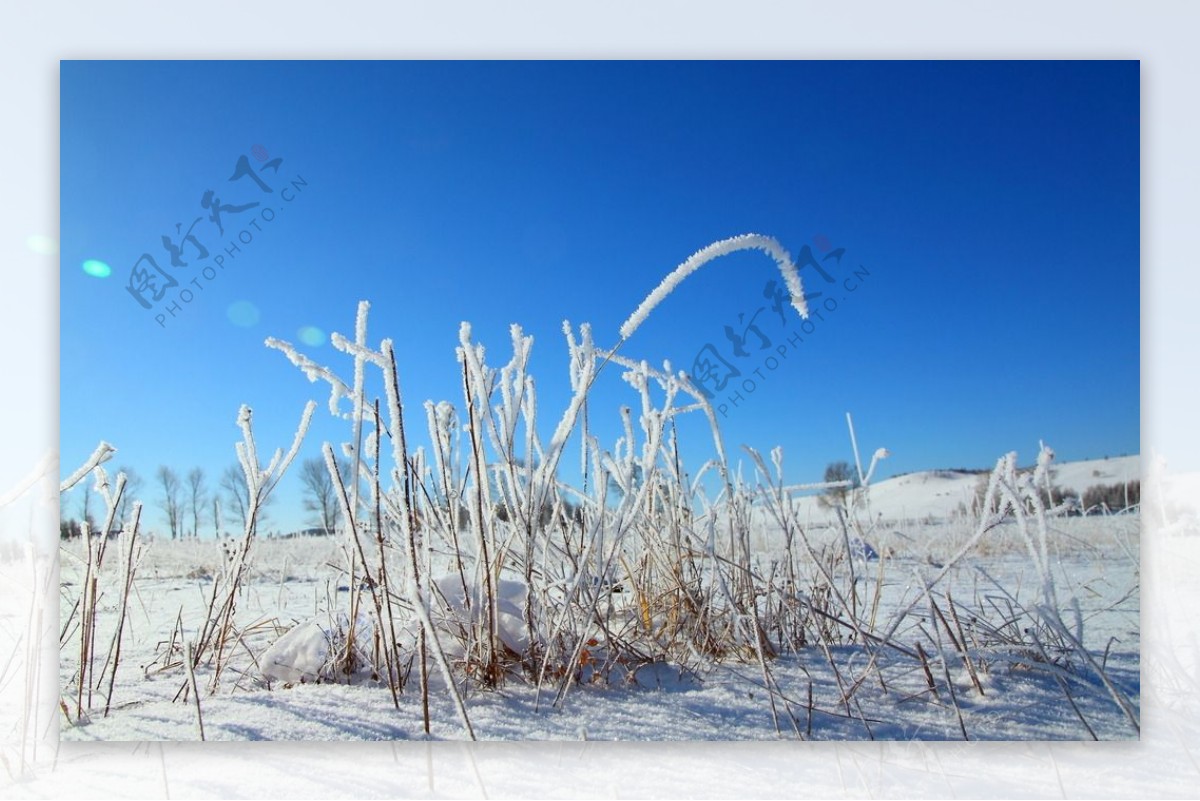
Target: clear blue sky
{"x":994,"y":206}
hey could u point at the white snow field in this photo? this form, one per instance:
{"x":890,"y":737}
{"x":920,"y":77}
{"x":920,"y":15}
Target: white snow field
{"x":943,"y":494}
{"x":1017,"y":671}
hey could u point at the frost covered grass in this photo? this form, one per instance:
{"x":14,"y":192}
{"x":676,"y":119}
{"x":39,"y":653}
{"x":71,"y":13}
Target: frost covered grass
{"x":483,"y":584}
{"x":290,"y":590}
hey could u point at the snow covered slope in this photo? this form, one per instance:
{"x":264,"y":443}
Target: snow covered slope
{"x":938,"y":493}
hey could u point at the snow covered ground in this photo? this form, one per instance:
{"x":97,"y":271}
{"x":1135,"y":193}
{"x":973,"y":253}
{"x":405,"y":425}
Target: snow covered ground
{"x":290,"y":608}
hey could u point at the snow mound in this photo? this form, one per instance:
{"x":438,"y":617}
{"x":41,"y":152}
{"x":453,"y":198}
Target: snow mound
{"x":665,"y":676}
{"x":511,"y":598}
{"x":297,"y":656}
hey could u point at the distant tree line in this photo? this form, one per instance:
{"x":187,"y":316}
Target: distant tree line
{"x":1096,"y":499}
{"x":188,"y":506}
{"x":1112,"y":497}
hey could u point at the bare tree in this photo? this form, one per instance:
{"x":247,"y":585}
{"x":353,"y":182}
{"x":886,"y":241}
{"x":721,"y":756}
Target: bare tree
{"x":68,"y":527}
{"x":320,"y":495}
{"x":835,"y":497}
{"x":85,"y":505}
{"x":133,"y":491}
{"x":237,"y":497}
{"x":172,"y":498}
{"x":197,"y":495}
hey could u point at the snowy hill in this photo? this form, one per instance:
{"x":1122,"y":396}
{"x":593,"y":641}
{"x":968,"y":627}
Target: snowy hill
{"x":938,"y":493}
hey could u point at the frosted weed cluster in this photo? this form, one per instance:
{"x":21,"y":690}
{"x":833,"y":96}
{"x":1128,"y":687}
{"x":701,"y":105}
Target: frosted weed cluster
{"x":472,"y":561}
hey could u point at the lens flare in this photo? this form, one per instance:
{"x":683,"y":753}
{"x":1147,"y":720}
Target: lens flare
{"x":311,"y":335}
{"x":96,"y":268}
{"x":243,"y":313}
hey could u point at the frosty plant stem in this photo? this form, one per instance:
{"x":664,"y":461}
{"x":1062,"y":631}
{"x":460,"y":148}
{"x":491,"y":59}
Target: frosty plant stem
{"x":90,"y":592}
{"x":260,"y":483}
{"x":488,"y":660}
{"x":190,"y":664}
{"x":102,"y":454}
{"x":769,"y":245}
{"x":375,"y":586}
{"x":130,"y":535}
{"x":408,"y":523}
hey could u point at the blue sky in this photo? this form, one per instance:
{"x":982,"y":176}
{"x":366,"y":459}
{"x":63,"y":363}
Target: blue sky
{"x":990,"y":209}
